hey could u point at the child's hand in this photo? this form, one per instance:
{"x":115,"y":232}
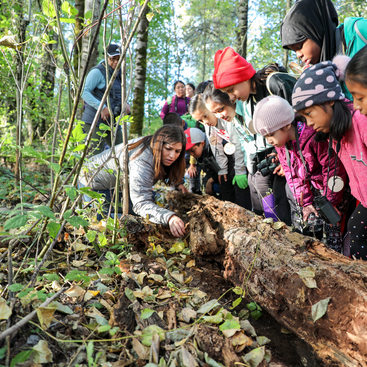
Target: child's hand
{"x":307,"y":210}
{"x":209,"y":186}
{"x":279,"y":171}
{"x":192,"y":171}
{"x":176,"y":226}
{"x":220,"y":178}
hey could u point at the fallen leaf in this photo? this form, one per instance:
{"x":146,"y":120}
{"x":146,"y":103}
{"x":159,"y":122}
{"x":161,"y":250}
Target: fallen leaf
{"x":156,"y":277}
{"x":255,"y":357}
{"x":319,"y":309}
{"x":187,"y":314}
{"x":75,"y":291}
{"x":148,"y":332}
{"x":190,"y":264}
{"x":5,"y":310}
{"x":90,"y":294}
{"x":205,"y":308}
{"x":42,"y":353}
{"x":308,"y":277}
{"x":140,"y":349}
{"x":45,"y":315}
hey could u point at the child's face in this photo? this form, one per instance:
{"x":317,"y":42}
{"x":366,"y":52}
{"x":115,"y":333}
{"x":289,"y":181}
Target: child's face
{"x":359,"y":93}
{"x":307,"y":51}
{"x":189,"y":91}
{"x":197,"y":150}
{"x":319,"y":116}
{"x":239,"y":91}
{"x":279,"y":137}
{"x":205,"y":117}
{"x":220,"y":110}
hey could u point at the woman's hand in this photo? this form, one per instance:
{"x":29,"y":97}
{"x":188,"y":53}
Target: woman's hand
{"x":209,"y":186}
{"x":105,"y":114}
{"x":192,"y":170}
{"x":307,"y":210}
{"x":176,"y":226}
{"x":182,"y":188}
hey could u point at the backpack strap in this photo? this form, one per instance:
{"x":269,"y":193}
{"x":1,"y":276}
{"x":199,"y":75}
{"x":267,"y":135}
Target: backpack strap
{"x":360,"y":35}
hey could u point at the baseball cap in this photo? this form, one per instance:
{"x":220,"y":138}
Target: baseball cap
{"x":113,"y":50}
{"x":193,"y":136}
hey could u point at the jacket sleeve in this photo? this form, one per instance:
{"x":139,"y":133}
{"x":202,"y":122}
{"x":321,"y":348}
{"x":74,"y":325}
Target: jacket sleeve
{"x":94,"y":80}
{"x":322,"y":156}
{"x":164,"y":111}
{"x":295,"y":176}
{"x":141,"y":181}
{"x":218,"y":152}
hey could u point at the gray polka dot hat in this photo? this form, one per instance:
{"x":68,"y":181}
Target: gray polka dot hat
{"x":317,"y":85}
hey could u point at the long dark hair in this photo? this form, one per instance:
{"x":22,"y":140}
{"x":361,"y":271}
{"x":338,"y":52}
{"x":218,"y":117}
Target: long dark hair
{"x":176,"y":82}
{"x":196,"y":103}
{"x":340,"y":122}
{"x":167,"y":134}
{"x":216,"y":95}
{"x":356,"y":70}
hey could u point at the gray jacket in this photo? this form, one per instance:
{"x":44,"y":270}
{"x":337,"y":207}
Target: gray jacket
{"x":141,"y":179}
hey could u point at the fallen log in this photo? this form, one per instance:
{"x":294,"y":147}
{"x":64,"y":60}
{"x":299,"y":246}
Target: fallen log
{"x":286,"y":273}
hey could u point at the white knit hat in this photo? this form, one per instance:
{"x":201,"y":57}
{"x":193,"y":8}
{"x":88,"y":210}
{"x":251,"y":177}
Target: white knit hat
{"x":271,"y":114}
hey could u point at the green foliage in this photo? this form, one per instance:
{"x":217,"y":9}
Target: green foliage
{"x":21,"y":357}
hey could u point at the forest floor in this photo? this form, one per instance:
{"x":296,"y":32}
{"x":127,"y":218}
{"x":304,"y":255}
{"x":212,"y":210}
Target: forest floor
{"x":146,"y":303}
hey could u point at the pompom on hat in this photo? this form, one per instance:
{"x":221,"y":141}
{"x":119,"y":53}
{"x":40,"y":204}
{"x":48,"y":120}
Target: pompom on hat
{"x":271,"y":114}
{"x":230,"y":68}
{"x":320,"y":84}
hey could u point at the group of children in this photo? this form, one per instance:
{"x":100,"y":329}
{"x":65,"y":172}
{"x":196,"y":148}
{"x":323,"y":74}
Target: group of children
{"x":300,"y":138}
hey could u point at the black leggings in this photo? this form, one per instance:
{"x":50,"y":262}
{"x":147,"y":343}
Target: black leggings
{"x":357,"y":231}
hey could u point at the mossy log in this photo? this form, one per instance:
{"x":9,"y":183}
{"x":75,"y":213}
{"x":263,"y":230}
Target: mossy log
{"x":272,"y":265}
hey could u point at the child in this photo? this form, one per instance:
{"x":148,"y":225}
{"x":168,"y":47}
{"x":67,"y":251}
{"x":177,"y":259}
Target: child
{"x":226,"y":162}
{"x":356,"y":80}
{"x":305,"y":162}
{"x":319,"y":99}
{"x":197,"y":146}
{"x":310,"y":29}
{"x":173,"y":118}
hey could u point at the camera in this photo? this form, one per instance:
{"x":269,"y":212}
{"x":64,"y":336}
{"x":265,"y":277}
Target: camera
{"x":267,"y":166}
{"x":117,"y":110}
{"x":326,"y":210}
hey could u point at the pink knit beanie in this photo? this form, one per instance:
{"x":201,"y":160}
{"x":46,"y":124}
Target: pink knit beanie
{"x":271,"y":114}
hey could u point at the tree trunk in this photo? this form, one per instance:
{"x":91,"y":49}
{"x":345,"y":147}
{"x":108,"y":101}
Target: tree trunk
{"x":79,"y":5}
{"x":95,"y":7}
{"x":269,"y":264}
{"x":140,"y":75}
{"x":243,"y":26}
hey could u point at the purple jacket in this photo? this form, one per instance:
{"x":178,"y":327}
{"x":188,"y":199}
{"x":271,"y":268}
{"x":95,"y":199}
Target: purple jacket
{"x":315,"y":155}
{"x":181,"y":107}
{"x":353,"y":154}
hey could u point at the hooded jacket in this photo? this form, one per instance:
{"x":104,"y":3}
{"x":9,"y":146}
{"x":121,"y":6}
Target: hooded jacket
{"x":353,"y":154}
{"x":101,"y":171}
{"x":301,"y":179}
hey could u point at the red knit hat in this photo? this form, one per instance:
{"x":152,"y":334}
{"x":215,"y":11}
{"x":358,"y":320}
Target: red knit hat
{"x":230,"y":68}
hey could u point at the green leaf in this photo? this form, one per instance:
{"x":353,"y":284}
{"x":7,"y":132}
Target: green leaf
{"x":3,"y":352}
{"x":16,"y":222}
{"x":104,"y":127}
{"x":77,"y":275}
{"x":16,"y":287}
{"x":68,"y":20}
{"x":148,"y":332}
{"x":88,"y":15}
{"x":319,"y":309}
{"x":146,"y":313}
{"x":205,"y":308}
{"x":230,"y":325}
{"x":91,"y":235}
{"x":51,"y":277}
{"x":129,"y":294}
{"x":63,"y":308}
{"x":53,"y":229}
{"x":79,"y":148}
{"x":238,"y":291}
{"x":102,"y":239}
{"x":48,"y":8}
{"x":236,"y":302}
{"x":71,"y":191}
{"x":103,"y":328}
{"x":215,"y":319}
{"x":77,"y":134}
{"x":21,"y":357}
{"x":68,"y":9}
{"x":255,"y":357}
{"x":55,"y":167}
{"x":89,"y":192}
{"x":45,"y":210}
{"x":77,"y":221}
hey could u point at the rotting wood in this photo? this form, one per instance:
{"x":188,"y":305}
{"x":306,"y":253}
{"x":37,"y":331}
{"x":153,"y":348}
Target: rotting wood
{"x":267,"y":261}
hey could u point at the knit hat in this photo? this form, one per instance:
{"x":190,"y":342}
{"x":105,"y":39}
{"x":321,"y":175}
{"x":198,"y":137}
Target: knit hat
{"x":230,"y":68}
{"x":113,"y":50}
{"x":271,"y":114}
{"x":317,"y":85}
{"x":193,"y":136}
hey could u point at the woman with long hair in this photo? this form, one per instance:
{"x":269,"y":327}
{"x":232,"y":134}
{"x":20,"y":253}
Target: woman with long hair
{"x":152,"y":158}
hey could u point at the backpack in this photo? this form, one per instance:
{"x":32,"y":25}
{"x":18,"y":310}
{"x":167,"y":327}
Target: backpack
{"x":355,"y":34}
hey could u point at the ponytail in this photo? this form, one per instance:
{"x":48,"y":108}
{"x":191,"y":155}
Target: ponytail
{"x":341,"y":120}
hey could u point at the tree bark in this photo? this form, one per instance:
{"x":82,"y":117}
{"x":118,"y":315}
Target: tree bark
{"x":267,"y":264}
{"x":95,"y":7}
{"x":286,"y":52}
{"x":243,"y":27}
{"x":140,"y":75}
